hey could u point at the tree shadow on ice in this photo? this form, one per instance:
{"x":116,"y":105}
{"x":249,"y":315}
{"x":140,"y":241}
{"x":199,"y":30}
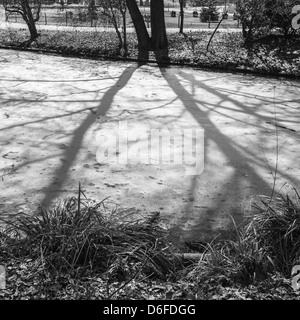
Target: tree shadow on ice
{"x":72,"y":151}
{"x":215,"y":196}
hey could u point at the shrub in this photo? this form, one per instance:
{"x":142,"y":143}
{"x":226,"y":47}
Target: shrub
{"x":211,"y":13}
{"x":261,"y":18}
{"x":279,"y":15}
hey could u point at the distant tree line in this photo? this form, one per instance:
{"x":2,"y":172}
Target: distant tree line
{"x":259,"y":18}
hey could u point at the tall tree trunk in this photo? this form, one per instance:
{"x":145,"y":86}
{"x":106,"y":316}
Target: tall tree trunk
{"x":158,"y":27}
{"x":23,"y":8}
{"x":124,"y":34}
{"x":30,"y":21}
{"x":249,"y":33}
{"x":32,"y":29}
{"x":159,"y":38}
{"x":115,"y":24}
{"x":181,"y":2}
{"x":140,"y":28}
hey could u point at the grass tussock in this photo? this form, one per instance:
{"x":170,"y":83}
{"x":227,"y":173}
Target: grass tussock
{"x":77,"y":235}
{"x":267,"y":247}
{"x":277,"y":226}
{"x":232,"y":262}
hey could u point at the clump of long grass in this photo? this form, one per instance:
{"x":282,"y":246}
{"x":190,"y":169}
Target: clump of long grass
{"x":277,"y":226}
{"x":268,"y":244}
{"x":76,"y":235}
{"x":230,"y":262}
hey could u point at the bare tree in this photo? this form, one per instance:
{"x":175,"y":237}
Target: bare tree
{"x":140,"y":28}
{"x":252,"y":15}
{"x":123,"y":9}
{"x":181,"y":4}
{"x":158,"y":28}
{"x":158,"y":41}
{"x":279,"y":15}
{"x":29,"y":10}
{"x":114,"y":8}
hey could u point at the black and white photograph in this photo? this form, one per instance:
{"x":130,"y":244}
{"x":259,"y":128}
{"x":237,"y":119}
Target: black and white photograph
{"x":149,"y":152}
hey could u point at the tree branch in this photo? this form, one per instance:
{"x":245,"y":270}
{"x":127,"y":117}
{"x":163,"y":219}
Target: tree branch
{"x":37,"y":15}
{"x":13,"y":10}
